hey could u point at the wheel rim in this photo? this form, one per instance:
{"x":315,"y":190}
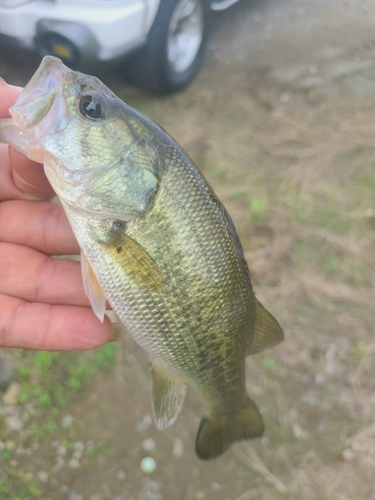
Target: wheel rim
{"x":185,"y":33}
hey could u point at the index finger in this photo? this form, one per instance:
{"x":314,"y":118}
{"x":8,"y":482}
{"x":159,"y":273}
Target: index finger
{"x":26,"y":178}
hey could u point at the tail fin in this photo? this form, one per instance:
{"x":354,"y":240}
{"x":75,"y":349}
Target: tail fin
{"x":217,"y":431}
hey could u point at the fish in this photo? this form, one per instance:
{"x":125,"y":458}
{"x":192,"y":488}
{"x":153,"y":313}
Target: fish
{"x":156,"y":243}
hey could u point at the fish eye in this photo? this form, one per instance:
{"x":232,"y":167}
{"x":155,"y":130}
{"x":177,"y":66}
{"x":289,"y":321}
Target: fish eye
{"x":92,"y":106}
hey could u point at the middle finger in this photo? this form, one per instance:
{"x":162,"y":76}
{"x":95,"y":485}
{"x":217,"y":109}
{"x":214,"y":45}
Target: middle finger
{"x":40,"y":225}
{"x":32,"y":276}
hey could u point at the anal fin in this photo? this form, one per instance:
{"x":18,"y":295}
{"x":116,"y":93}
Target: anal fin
{"x":168,"y":394}
{"x":92,"y":288}
{"x":267,"y":331}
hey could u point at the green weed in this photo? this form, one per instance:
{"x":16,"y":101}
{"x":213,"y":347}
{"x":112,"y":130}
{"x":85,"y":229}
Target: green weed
{"x":270,"y":364}
{"x":257,"y":205}
{"x":50,"y":378}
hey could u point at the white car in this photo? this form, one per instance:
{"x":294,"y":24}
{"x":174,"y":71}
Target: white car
{"x":161,"y":41}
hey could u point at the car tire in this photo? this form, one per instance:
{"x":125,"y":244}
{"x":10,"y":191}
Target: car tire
{"x":174,"y":48}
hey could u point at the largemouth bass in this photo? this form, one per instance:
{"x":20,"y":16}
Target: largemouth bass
{"x":156,"y":243}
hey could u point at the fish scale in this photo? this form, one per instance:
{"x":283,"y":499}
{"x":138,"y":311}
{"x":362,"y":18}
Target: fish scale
{"x":180,"y":306}
{"x":156,"y":243}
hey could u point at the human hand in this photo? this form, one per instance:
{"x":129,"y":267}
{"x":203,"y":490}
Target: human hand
{"x":42,"y":301}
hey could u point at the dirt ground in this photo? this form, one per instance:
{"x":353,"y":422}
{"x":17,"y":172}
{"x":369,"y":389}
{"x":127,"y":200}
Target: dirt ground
{"x":281,"y":121}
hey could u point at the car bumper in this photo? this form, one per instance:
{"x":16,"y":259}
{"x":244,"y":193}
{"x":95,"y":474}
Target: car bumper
{"x":77,"y":51}
{"x":92,"y":36}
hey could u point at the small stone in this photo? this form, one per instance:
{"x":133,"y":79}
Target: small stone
{"x":67,"y":421}
{"x":9,"y":445}
{"x":73,"y":495}
{"x":14,"y":423}
{"x":60,"y":462}
{"x":200,"y":495}
{"x":330,"y":368}
{"x":348,"y":455}
{"x":151,"y":490}
{"x":284,"y":97}
{"x":74,"y":463}
{"x":215,"y":486}
{"x":121,"y":476}
{"x":265,"y":441}
{"x":144,"y":424}
{"x":149,"y":445}
{"x":13,"y":463}
{"x":79,"y":445}
{"x":148,"y":465}
{"x":43,"y":476}
{"x":77,"y":454}
{"x":61,"y":450}
{"x":105,"y":490}
{"x":28,"y":476}
{"x":320,"y":379}
{"x":313,"y":400}
{"x":331,"y":352}
{"x":93,"y":397}
{"x":12,"y":394}
{"x":299,"y":432}
{"x":178,"y":447}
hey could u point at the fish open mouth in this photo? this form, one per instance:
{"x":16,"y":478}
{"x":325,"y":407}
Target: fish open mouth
{"x":40,"y":109}
{"x":37,"y":98}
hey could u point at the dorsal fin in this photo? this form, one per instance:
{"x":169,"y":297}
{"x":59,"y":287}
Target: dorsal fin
{"x":267,"y":331}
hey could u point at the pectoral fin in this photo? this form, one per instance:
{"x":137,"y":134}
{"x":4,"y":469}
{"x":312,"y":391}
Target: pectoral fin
{"x":135,"y":262}
{"x":168,"y":394}
{"x":267,"y":331}
{"x":92,"y":288}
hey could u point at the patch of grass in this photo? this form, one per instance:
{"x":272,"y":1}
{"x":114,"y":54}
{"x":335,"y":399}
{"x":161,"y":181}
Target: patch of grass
{"x":141,"y":105}
{"x":270,"y":364}
{"x":298,"y":212}
{"x":220,"y":174}
{"x":31,"y":492}
{"x":257,"y":204}
{"x":50,"y":378}
{"x":238,"y":195}
{"x":46,"y":428}
{"x":303,"y":253}
{"x":330,"y":265}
